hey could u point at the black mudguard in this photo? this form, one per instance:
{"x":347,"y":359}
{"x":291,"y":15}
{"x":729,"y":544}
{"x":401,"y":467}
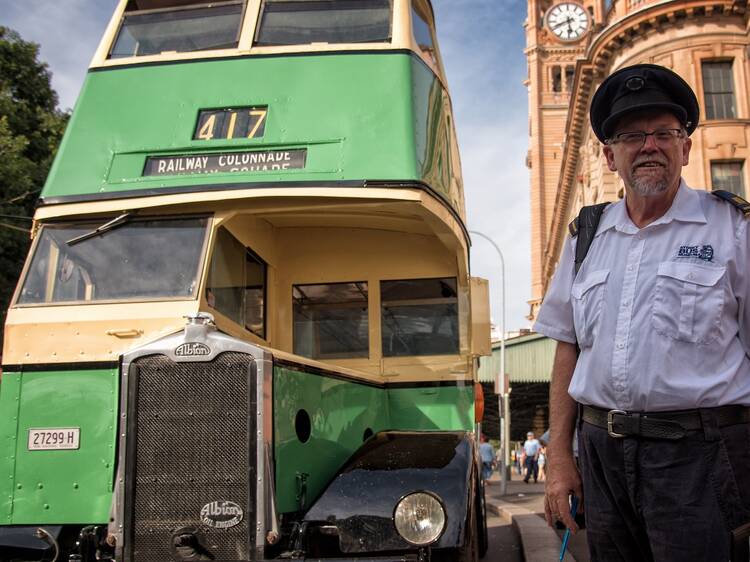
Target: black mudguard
{"x":361,"y":499}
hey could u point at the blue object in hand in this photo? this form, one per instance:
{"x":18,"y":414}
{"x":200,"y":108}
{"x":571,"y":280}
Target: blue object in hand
{"x":566,"y":536}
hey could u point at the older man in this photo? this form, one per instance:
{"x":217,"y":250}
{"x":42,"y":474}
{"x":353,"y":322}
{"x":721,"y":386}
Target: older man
{"x":653,"y":337}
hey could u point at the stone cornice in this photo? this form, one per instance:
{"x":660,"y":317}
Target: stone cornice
{"x":590,"y":69}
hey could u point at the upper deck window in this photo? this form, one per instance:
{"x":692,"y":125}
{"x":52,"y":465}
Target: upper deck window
{"x":301,"y":22}
{"x":424,"y":35}
{"x":181,"y":30}
{"x":149,"y":259}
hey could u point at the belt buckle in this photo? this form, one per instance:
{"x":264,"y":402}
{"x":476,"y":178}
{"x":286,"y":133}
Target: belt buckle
{"x":611,"y":423}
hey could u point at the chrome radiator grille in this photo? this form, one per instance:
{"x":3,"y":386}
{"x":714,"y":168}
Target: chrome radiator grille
{"x":191,"y":429}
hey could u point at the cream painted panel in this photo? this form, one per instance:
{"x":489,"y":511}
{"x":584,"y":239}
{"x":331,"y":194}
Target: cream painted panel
{"x":317,"y":255}
{"x":75,"y":333}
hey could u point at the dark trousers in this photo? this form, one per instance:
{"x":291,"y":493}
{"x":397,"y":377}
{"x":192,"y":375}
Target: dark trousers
{"x":665,"y":500}
{"x":532,"y":469}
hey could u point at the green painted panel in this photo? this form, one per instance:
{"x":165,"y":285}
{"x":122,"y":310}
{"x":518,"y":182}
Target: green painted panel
{"x":340,"y":412}
{"x":432,"y":408}
{"x":433,"y":133}
{"x":66,"y":486}
{"x":10,"y":389}
{"x":353,"y":113}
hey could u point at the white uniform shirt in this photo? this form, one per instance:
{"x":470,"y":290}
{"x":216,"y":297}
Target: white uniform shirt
{"x":661,"y":314}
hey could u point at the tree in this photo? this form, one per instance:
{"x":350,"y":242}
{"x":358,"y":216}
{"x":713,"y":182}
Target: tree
{"x":31,"y":127}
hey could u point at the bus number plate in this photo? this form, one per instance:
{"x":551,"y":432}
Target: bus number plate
{"x":240,"y":123}
{"x":54,"y":438}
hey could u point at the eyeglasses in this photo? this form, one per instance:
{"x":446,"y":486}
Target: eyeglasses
{"x":636,"y":139}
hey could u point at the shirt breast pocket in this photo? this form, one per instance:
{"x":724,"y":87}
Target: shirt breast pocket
{"x":688,"y":302}
{"x":588,"y":296}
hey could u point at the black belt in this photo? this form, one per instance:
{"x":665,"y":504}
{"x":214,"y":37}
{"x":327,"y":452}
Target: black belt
{"x":660,"y":425}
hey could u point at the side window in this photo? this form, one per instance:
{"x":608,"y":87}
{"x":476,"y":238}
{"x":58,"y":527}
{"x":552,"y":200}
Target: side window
{"x":423,"y":33}
{"x":237,"y":283}
{"x":330,"y":320}
{"x":419,"y":317}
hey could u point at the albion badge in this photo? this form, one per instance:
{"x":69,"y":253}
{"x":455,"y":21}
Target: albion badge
{"x":221,"y":514}
{"x":192,"y":349}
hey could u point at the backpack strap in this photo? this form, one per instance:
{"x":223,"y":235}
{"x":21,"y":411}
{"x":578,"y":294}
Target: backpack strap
{"x":734,"y":200}
{"x":584,"y":227}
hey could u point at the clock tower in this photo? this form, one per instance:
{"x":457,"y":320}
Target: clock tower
{"x":557,"y":34}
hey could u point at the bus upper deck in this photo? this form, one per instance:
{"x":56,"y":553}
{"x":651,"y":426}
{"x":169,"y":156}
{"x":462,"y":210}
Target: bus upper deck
{"x":184,"y":96}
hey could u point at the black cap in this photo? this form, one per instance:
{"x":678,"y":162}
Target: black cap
{"x":639,"y":87}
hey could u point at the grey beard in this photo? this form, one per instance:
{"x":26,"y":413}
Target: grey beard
{"x":644,"y":187}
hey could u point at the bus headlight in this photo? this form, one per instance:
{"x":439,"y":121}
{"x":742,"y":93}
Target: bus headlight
{"x":419,"y":518}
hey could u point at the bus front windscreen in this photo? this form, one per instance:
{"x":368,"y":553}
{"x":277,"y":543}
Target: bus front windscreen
{"x":143,"y":259}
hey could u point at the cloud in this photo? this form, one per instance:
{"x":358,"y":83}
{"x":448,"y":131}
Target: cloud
{"x":68,"y":32}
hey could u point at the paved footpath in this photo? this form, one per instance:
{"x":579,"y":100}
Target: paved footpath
{"x":524,"y":505}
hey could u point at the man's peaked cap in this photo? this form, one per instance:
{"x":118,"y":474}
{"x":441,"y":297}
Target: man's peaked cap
{"x":642,"y":87}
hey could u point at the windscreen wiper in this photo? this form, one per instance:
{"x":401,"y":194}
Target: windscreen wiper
{"x":107,"y":226}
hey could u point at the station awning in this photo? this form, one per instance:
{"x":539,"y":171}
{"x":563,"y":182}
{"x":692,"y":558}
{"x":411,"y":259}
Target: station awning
{"x":528,"y":358}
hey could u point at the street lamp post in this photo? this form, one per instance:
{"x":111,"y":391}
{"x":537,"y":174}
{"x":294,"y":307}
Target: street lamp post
{"x":503,"y":409}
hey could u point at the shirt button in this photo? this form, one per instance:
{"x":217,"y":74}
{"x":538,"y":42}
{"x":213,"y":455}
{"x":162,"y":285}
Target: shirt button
{"x":625,"y":303}
{"x":630,"y":268}
{"x":691,"y":276}
{"x":620,"y":345}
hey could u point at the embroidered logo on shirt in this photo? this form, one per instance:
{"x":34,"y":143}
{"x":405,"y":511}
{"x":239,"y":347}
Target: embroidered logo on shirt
{"x":705,"y":252}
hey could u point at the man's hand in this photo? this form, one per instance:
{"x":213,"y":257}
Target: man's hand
{"x":563,"y":479}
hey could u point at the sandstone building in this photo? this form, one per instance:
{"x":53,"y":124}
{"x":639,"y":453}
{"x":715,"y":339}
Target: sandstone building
{"x":572,"y":46}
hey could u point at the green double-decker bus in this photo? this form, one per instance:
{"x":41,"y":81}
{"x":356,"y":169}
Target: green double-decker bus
{"x":246,"y":328}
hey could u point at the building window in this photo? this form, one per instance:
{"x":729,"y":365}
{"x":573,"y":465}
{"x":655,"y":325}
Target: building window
{"x":570,"y":72}
{"x":718,"y":89}
{"x":330,"y":320}
{"x":556,"y":79}
{"x":419,"y":317}
{"x":237,"y":283}
{"x":728,"y":176}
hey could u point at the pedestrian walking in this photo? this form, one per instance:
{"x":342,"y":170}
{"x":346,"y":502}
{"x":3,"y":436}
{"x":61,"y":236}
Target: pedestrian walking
{"x":653,"y":330}
{"x":541,"y":463}
{"x":487,"y":454}
{"x":531,"y":448}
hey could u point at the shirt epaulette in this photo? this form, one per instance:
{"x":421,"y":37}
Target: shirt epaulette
{"x":734,"y":200}
{"x":573,"y":227}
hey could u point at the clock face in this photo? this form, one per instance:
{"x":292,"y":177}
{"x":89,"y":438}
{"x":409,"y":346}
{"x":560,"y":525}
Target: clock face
{"x":567,"y":21}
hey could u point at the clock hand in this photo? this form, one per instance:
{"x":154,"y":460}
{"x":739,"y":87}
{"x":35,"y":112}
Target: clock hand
{"x":568,"y":21}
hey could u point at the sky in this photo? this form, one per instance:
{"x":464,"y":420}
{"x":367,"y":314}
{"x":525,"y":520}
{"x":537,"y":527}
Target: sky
{"x":481,"y":42}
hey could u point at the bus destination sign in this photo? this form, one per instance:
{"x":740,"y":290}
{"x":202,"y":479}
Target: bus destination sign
{"x":229,"y":162}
